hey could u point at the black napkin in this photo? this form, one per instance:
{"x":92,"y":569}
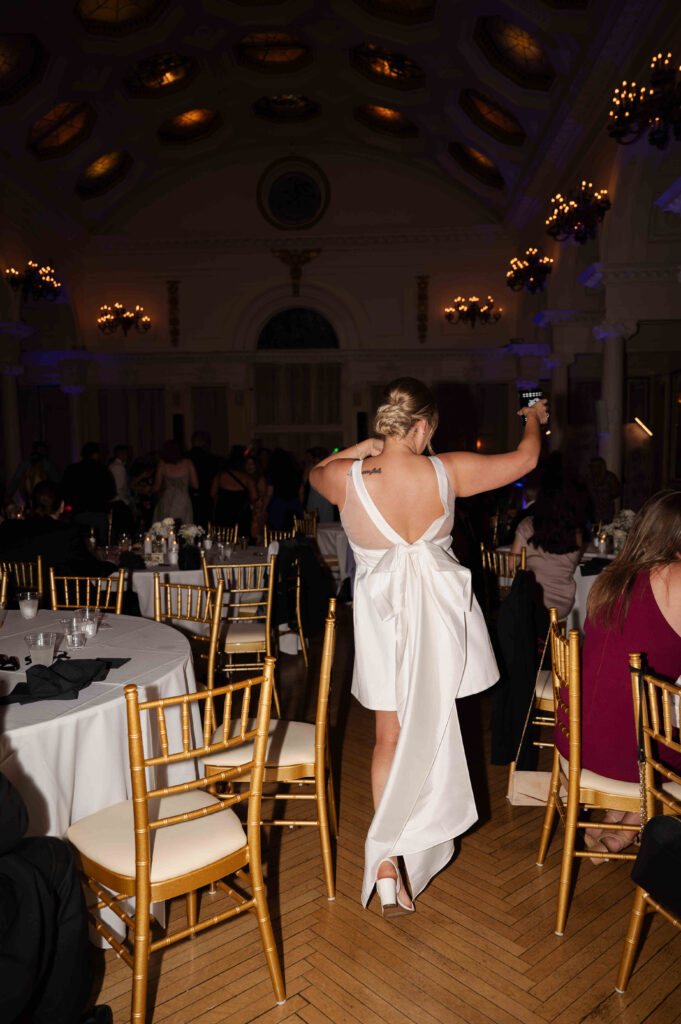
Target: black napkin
{"x":61,"y":681}
{"x":189,"y":557}
{"x":594,"y":566}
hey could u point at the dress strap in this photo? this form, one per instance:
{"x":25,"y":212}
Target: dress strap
{"x":444,"y":484}
{"x":370,"y":508}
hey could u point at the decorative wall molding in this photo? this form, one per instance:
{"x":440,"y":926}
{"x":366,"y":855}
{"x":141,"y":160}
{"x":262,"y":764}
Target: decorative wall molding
{"x":557,"y":317}
{"x":670,"y":200}
{"x":618,"y":273}
{"x":475,"y":234}
{"x":625,"y":329}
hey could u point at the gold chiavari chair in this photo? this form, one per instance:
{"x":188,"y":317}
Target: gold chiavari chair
{"x":224,"y":534}
{"x":104,"y":592}
{"x":295,"y":623}
{"x":270,"y":535}
{"x":656,"y":710}
{"x":502,"y":565}
{"x":181,"y":604}
{"x":306,"y":524}
{"x":172,"y":840}
{"x":247,"y":627}
{"x":585,"y":789}
{"x":4,"y":579}
{"x":25,"y":575}
{"x":298,"y":752}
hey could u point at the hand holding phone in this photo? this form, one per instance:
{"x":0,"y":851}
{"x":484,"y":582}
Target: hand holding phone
{"x":529,"y":397}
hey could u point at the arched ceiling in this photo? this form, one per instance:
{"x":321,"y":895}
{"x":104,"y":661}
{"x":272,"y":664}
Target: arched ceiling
{"x":100,"y":99}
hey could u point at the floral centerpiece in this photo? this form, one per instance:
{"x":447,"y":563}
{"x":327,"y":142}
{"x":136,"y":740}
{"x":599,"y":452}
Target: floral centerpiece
{"x":190,"y":532}
{"x":160,"y":530}
{"x":619,"y":528}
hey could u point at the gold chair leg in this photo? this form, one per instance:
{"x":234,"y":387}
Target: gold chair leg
{"x":275,"y":697}
{"x":566,"y":863}
{"x":550,"y":811}
{"x":331,"y":799}
{"x":191,"y":909}
{"x":266,"y":933}
{"x":631,"y":941}
{"x":140,"y":964}
{"x":324,"y":838}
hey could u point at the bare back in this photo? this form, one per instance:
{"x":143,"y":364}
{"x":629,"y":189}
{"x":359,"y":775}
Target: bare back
{"x":406,"y":493}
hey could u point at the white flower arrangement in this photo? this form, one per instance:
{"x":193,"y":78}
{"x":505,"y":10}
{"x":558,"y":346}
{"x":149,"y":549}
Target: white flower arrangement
{"x":161,"y":529}
{"x":190,"y":532}
{"x":623,"y":521}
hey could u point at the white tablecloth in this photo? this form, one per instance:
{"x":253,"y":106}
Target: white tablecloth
{"x":332,"y":541}
{"x":69,"y":758}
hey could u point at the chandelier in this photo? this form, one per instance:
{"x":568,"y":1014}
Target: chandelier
{"x":467,"y":311}
{"x":113,"y":317}
{"x":530,"y":272}
{"x":656,"y":109}
{"x":579,"y":214}
{"x":35,"y":282}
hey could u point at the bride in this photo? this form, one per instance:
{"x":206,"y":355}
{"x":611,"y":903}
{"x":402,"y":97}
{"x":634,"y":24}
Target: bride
{"x":420,"y":637}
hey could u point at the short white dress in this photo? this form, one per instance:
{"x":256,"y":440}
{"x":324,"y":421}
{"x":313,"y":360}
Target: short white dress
{"x":420,"y":642}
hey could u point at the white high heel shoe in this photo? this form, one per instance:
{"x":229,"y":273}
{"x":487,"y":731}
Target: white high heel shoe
{"x":389,"y":890}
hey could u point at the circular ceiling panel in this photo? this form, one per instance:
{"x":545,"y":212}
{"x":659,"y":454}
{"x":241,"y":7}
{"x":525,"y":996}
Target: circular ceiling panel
{"x":117,"y":17}
{"x":386,"y":119}
{"x":293,"y":193}
{"x":477,"y":164}
{"x":491,"y":117}
{"x":22,"y":61}
{"x":386,"y":67}
{"x":514,"y":52}
{"x":273,"y":51}
{"x":164,"y":73}
{"x":190,"y":126}
{"x":408,"y":12}
{"x":103,"y":173}
{"x":61,"y":129}
{"x":286,"y":107}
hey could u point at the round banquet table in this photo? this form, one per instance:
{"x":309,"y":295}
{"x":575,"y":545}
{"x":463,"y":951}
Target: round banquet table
{"x":69,"y":758}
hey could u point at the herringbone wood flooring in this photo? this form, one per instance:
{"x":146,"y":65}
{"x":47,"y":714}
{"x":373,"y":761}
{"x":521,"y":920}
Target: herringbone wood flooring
{"x":480,"y":948}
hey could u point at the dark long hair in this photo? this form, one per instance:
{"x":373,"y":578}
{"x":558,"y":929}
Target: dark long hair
{"x":555,"y":518}
{"x":654,"y":540}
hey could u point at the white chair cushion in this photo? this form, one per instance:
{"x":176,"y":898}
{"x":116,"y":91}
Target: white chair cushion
{"x":108,"y":836}
{"x":590,"y":780}
{"x":673,"y":789}
{"x":244,"y":632}
{"x":288,"y":743}
{"x":543,"y":689}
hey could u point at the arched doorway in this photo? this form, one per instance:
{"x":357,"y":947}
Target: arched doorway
{"x":297,"y":385}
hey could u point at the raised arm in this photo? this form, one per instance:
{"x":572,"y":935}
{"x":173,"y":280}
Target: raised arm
{"x":472,"y":474}
{"x":328,"y":477}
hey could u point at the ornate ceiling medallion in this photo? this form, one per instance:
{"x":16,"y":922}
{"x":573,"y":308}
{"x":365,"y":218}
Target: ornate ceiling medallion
{"x":477,"y":164}
{"x":386,"y":67}
{"x":22,"y":62}
{"x":164,"y":73}
{"x":114,"y":17}
{"x":190,"y":126}
{"x":407,"y":12}
{"x":386,"y":120}
{"x":293,"y":193}
{"x":514,"y":52}
{"x":491,"y":117}
{"x":61,"y":129}
{"x":103,"y":173}
{"x":273,"y":51}
{"x":286,"y":107}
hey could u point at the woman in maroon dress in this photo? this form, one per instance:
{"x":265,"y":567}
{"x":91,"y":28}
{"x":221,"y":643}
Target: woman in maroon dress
{"x":634,"y":607}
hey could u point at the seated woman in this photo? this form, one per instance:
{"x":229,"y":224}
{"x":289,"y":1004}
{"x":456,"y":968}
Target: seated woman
{"x":553,"y":543}
{"x":634,"y":606}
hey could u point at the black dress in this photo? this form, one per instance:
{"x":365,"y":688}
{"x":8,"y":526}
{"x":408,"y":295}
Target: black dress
{"x":234,"y":507}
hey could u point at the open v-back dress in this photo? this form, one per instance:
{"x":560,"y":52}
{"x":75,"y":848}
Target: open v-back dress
{"x":420,"y":642}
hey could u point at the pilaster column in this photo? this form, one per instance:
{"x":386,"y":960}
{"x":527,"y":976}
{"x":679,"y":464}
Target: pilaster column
{"x":612,"y":336}
{"x":73,"y":376}
{"x":559,"y":404}
{"x":11,"y":335}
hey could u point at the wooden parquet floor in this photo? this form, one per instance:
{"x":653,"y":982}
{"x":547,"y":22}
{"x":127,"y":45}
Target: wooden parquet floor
{"x":480,"y":948}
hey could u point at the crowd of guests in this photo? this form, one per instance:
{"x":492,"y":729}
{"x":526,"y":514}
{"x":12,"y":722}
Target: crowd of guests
{"x":251,"y":487}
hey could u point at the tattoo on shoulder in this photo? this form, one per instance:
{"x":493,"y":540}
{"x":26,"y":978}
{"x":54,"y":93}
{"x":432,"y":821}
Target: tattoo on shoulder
{"x":369,"y":472}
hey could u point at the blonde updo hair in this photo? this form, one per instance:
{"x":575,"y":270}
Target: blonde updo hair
{"x":405,"y":401}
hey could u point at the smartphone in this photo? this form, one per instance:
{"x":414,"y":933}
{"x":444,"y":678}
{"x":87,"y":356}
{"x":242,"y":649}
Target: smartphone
{"x":527,"y":397}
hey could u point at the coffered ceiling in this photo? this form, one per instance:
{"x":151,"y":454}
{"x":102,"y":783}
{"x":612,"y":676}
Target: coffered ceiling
{"x":101,"y":99}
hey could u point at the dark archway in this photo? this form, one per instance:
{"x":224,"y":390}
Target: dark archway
{"x":297,"y":327}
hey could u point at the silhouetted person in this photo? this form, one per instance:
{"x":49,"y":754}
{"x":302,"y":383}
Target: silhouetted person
{"x":206,"y":465}
{"x":89,"y":488}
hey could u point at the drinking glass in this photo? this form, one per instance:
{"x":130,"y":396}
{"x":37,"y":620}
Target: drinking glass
{"x":88,"y":621}
{"x":28,"y":603}
{"x":75,"y":638}
{"x":41,"y":647}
